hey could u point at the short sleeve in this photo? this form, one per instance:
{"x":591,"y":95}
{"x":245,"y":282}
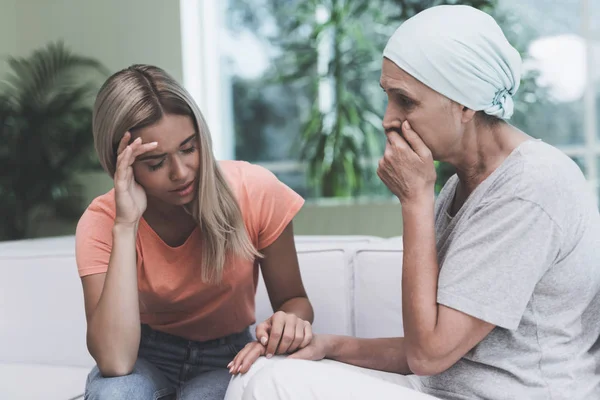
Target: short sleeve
{"x":272,"y":206}
{"x":492,"y":266}
{"x":93,"y":241}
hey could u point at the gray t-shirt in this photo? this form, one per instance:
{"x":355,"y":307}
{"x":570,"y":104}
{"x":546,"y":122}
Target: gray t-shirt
{"x":523,"y":253}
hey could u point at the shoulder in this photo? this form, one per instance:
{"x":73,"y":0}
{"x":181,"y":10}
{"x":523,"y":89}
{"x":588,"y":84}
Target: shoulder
{"x":246,"y":178}
{"x":534,"y":170}
{"x":542,"y":175}
{"x":236,"y":171}
{"x":104,"y":204}
{"x":548,"y":176}
{"x":93,"y":235}
{"x":100,"y":212}
{"x":547,"y":164}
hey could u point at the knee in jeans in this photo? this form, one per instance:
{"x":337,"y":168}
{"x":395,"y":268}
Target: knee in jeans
{"x":135,"y":386}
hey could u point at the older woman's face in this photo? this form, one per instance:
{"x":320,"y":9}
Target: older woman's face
{"x":433,"y":116}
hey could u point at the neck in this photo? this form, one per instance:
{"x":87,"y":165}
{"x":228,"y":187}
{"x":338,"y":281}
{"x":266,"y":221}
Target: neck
{"x":483,"y":149}
{"x":160,"y":212}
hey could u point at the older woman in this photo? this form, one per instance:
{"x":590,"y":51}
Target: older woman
{"x":501,"y":276}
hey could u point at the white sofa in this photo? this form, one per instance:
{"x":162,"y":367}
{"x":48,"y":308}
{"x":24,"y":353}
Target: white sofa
{"x":352,"y":281}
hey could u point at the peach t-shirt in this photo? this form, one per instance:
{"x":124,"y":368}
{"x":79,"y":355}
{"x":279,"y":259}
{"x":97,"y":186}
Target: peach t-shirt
{"x":173,"y":298}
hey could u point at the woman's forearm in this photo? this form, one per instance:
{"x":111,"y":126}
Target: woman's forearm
{"x":300,"y":307}
{"x":420,"y":273}
{"x":387,"y":354}
{"x":114,"y":327}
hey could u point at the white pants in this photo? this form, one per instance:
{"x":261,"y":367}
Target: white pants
{"x":284,"y":379}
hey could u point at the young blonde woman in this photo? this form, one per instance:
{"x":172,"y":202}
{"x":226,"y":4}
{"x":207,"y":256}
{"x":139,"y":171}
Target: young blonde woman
{"x":169,"y":258}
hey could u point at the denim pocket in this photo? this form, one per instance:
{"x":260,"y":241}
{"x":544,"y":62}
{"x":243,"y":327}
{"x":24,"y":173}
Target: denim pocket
{"x":236,"y":348}
{"x":146,"y":337}
{"x":237,"y":344}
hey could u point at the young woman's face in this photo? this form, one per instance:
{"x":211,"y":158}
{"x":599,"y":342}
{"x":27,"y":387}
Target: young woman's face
{"x":435,"y":118}
{"x":170,"y":172}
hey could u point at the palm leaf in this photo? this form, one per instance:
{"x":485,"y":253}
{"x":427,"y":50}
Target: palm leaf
{"x":45,"y":116}
{"x":34,"y":80}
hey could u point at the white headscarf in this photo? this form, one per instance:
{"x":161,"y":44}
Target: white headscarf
{"x":462,"y":53}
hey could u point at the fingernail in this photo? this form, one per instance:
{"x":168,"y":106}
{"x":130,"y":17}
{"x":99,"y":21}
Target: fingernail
{"x":239,"y":369}
{"x":269,"y":355}
{"x":229,"y":365}
{"x":153,"y":143}
{"x":407,"y":124}
{"x":263,"y":340}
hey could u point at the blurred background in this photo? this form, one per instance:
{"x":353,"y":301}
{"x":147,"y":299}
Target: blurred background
{"x":288,"y":84}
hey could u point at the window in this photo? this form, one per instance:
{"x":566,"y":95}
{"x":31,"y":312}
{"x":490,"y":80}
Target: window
{"x":258,"y":115}
{"x":563,"y":50}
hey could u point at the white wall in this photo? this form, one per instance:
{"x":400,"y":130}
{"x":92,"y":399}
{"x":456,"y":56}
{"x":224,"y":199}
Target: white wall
{"x":116,"y":32}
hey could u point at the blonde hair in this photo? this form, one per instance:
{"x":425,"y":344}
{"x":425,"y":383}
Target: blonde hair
{"x":139,"y":96}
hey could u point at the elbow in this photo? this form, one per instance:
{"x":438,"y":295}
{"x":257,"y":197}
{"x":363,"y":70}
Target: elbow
{"x":112,"y":364}
{"x":112,"y":360}
{"x":424,"y":363}
{"x":423,"y":366}
{"x":115,"y":368}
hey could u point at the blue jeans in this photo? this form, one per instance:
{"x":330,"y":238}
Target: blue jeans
{"x":171,"y":367}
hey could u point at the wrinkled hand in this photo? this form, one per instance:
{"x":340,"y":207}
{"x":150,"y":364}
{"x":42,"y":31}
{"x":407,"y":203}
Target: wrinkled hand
{"x":130,"y":197}
{"x":407,"y":167}
{"x":318,"y":349}
{"x":279,"y":334}
{"x":283,"y":333}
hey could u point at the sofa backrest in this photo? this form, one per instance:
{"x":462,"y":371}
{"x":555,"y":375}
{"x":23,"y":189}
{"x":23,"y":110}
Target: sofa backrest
{"x":352,"y":282}
{"x":41,"y":304}
{"x":378,"y":289}
{"x":326,"y":271}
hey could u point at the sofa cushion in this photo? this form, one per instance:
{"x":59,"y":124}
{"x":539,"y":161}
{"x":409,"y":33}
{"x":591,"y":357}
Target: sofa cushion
{"x":336,"y":239}
{"x":42,"y":295}
{"x":43,"y":247}
{"x":41,"y":307}
{"x":378,"y":289}
{"x":327,"y":277}
{"x":31,"y":381}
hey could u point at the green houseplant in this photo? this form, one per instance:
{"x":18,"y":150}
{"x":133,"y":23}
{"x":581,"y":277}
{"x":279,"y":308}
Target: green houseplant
{"x":341,"y":145}
{"x":45,"y":135}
